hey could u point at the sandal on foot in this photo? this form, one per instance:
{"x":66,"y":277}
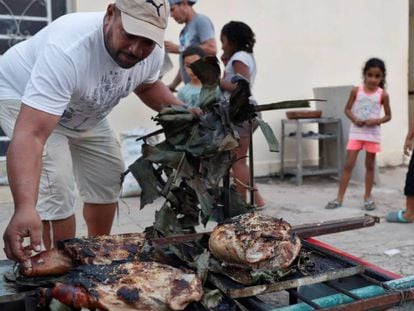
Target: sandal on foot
{"x":397,"y":216}
{"x":333,"y":204}
{"x":369,"y":205}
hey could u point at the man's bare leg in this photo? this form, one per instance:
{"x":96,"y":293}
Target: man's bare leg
{"x":99,"y":217}
{"x":55,"y":230}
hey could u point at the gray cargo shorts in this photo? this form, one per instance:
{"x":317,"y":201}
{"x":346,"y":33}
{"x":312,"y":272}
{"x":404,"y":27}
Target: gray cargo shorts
{"x":90,"y":159}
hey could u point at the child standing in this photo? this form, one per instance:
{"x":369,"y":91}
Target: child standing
{"x":364,"y":110}
{"x":190,"y":92}
{"x":238,"y":41}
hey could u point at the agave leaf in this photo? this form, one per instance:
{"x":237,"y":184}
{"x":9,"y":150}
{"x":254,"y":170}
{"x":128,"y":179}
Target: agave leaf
{"x":185,"y":205}
{"x":237,"y":205}
{"x":202,"y":263}
{"x":238,"y":274}
{"x":287,"y":104}
{"x":214,"y":168}
{"x":143,"y":172}
{"x":169,"y":158}
{"x":228,"y":143}
{"x":166,"y":221}
{"x":269,"y":135}
{"x":205,"y":199}
{"x":208,"y":97}
{"x":212,"y":135}
{"x":198,"y":145}
{"x":207,"y":70}
{"x":240,"y":108}
{"x":172,"y":159}
{"x":176,"y":123}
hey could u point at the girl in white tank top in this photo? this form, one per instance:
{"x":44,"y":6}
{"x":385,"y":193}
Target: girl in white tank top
{"x":364,"y":110}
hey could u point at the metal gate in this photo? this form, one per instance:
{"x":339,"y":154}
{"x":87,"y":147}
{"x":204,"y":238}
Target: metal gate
{"x":19,"y":20}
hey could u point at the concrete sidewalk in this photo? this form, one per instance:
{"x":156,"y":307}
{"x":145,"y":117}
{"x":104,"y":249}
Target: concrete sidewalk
{"x":298,"y":205}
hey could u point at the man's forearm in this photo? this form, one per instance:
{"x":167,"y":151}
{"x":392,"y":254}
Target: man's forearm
{"x":24,"y":159}
{"x":209,"y":46}
{"x":157,"y":95}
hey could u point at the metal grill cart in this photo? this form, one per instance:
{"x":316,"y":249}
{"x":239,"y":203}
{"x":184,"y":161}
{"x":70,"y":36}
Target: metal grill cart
{"x":338,"y":281}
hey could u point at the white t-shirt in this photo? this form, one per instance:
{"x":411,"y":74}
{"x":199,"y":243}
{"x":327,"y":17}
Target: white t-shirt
{"x":245,"y":58}
{"x":66,"y":70}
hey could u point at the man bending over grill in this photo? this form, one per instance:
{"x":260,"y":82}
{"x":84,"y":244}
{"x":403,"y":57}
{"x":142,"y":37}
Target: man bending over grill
{"x":56,"y":90}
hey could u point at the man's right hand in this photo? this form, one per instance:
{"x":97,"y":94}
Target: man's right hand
{"x":24,"y":223}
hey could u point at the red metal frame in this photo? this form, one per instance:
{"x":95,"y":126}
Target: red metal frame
{"x":369,"y":265}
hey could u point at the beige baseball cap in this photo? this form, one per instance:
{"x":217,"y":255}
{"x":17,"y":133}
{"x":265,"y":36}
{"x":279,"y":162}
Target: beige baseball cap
{"x":145,"y":18}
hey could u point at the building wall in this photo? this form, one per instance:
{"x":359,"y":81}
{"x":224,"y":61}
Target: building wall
{"x":302,"y":45}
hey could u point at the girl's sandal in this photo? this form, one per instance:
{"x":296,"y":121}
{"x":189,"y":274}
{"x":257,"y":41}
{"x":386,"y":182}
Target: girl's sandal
{"x":333,"y":204}
{"x":369,"y":205}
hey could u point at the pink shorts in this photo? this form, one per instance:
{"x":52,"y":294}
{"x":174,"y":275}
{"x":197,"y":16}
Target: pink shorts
{"x":369,"y":146}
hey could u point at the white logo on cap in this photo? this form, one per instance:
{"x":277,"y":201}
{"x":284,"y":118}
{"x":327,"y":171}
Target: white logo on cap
{"x":156,"y":6}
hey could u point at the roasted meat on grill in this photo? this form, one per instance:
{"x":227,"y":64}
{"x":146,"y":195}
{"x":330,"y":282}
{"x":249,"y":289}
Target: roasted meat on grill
{"x":257,"y":241}
{"x":99,"y":250}
{"x":128,"y":286}
{"x":104,"y":249}
{"x":49,"y":262}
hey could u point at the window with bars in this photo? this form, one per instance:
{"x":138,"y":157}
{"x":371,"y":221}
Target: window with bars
{"x":21,"y":19}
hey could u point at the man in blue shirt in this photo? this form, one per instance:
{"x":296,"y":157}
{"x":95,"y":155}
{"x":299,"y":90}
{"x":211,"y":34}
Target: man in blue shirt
{"x":198,"y":31}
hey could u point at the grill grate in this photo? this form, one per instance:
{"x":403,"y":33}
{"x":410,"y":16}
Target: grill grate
{"x":321,"y":273}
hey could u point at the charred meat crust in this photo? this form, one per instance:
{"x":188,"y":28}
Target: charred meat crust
{"x":104,"y":249}
{"x":99,"y":250}
{"x":256,"y":241}
{"x":128,"y":286}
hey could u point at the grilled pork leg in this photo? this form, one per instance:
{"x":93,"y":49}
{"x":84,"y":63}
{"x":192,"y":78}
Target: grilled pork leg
{"x":255,"y":241}
{"x":148,"y":286}
{"x":49,"y":262}
{"x":98,"y":250}
{"x":74,"y":296}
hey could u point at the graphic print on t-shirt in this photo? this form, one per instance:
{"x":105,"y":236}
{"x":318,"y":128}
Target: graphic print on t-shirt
{"x":367,"y":109}
{"x":90,"y":109}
